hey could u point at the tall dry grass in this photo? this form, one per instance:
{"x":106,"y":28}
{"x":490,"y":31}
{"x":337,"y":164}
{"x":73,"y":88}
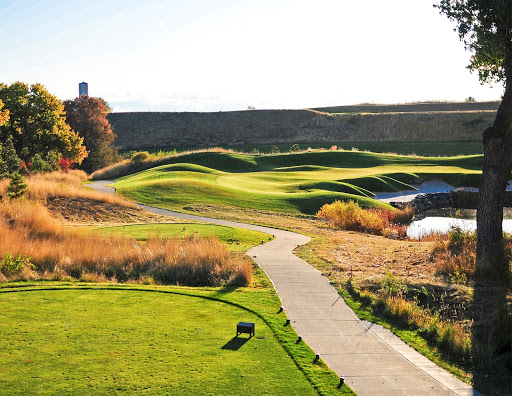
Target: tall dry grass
{"x":27,"y":230}
{"x":350,"y":216}
{"x":44,"y":186}
{"x":35,"y":245}
{"x":455,"y":253}
{"x":454,"y":338}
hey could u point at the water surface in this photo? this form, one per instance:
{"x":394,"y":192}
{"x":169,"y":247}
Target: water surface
{"x":418,"y":228}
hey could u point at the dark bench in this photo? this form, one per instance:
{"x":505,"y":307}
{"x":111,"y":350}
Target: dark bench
{"x":245,"y":327}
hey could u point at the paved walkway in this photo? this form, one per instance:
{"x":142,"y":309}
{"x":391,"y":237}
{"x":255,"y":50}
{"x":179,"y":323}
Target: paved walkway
{"x":372,"y":360}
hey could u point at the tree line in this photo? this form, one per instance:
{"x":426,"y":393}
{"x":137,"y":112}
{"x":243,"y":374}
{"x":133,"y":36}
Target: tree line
{"x":39,"y":132}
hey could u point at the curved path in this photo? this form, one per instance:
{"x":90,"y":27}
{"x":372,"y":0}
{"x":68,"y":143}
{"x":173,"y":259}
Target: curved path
{"x":372,"y":360}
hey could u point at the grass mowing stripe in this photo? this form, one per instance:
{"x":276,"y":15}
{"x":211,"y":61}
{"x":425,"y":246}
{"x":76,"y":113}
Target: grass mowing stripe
{"x":289,"y":183}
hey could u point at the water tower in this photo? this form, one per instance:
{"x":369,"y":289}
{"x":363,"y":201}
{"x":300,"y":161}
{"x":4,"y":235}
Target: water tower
{"x":83,"y":89}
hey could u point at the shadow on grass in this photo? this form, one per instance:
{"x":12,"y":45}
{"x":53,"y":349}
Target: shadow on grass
{"x":492,"y":338}
{"x":226,"y":289}
{"x":235,"y":343}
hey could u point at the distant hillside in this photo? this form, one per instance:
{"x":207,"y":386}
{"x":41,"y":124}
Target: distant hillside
{"x":433,"y":121}
{"x":419,"y":107}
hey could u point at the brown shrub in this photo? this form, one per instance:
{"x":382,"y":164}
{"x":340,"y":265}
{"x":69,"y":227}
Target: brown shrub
{"x":455,"y":254}
{"x":350,"y":216}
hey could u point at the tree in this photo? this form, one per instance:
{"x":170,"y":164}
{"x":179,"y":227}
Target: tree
{"x":36,"y":123}
{"x":485,"y":27}
{"x":17,"y":187}
{"x":9,"y":160}
{"x":4,"y":114}
{"x":88,"y":117}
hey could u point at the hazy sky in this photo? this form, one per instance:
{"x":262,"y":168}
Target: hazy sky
{"x":212,"y":55}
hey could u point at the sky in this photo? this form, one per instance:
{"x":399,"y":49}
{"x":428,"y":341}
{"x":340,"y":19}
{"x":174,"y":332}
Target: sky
{"x":223,"y":55}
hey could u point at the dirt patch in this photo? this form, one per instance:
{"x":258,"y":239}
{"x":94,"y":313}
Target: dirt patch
{"x":83,"y":211}
{"x":369,"y":257}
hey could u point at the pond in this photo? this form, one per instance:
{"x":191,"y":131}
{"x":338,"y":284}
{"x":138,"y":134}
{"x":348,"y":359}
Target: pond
{"x":418,"y":228}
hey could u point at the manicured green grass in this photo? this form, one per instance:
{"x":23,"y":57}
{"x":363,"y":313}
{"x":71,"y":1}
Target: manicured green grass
{"x":161,"y":340}
{"x":235,"y":238}
{"x":289,"y":183}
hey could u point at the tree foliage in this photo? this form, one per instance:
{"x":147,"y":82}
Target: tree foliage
{"x":88,"y":116}
{"x":4,"y":114}
{"x":9,"y":160}
{"x":36,"y":123}
{"x":485,"y":27}
{"x":17,"y":186}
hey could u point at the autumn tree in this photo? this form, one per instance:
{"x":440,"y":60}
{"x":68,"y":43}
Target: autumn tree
{"x":36,"y":123}
{"x":9,"y":161}
{"x":4,"y":114}
{"x":88,"y":116}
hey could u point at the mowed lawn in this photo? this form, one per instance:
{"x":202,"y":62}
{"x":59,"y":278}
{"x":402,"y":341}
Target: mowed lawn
{"x":289,"y":183}
{"x":128,"y":341}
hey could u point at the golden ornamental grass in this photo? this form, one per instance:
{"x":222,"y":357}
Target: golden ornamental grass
{"x":28,"y":230}
{"x":43,"y":186}
{"x":348,"y":215}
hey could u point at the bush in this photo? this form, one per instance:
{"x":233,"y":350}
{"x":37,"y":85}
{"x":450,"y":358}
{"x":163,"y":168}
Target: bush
{"x":65,"y":164}
{"x":275,"y":150}
{"x":455,"y":255}
{"x":295,"y":148}
{"x":17,"y":186}
{"x":140,"y":157}
{"x":48,"y":164}
{"x":11,"y":265}
{"x":38,"y":164}
{"x":350,"y":216}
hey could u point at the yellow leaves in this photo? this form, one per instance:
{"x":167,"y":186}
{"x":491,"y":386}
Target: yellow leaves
{"x":4,"y":114}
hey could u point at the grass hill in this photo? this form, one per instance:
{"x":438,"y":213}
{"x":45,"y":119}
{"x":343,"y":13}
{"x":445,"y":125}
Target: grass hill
{"x":288,"y":183}
{"x":430,"y":121}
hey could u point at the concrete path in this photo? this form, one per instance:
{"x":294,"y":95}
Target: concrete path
{"x":372,"y":360}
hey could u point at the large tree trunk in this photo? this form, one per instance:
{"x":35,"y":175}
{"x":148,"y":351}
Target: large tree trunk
{"x":492,"y":322}
{"x":497,"y":140}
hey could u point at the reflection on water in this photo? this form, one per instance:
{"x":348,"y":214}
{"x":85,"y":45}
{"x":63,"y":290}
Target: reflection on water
{"x":418,"y":228}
